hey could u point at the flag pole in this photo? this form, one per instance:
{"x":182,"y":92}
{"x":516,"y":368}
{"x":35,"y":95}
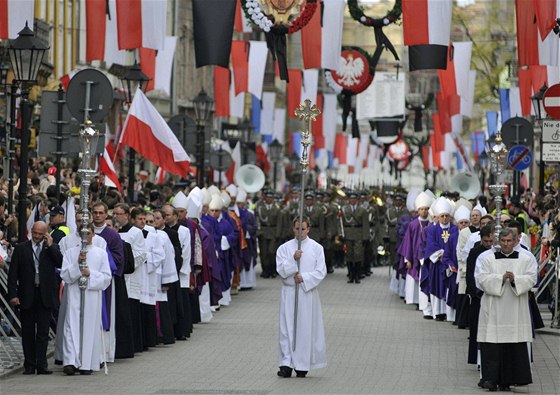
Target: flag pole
{"x":307,"y":112}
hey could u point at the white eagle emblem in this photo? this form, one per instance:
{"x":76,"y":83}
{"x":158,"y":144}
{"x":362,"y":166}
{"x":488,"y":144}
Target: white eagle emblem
{"x":350,"y":70}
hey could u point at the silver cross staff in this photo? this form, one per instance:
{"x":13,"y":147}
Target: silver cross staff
{"x":307,"y":112}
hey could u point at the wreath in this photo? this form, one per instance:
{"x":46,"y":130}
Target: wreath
{"x":267,"y":23}
{"x":358,"y":14}
{"x":381,"y":40}
{"x":275,"y":32}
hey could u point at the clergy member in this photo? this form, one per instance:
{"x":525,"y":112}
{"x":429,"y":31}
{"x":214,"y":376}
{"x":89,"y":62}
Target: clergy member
{"x":84,"y":352}
{"x":504,"y":326}
{"x":310,"y":347}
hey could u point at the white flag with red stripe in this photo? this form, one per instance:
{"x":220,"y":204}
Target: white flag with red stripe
{"x":236,"y":158}
{"x":101,"y":32}
{"x":141,"y":23}
{"x":161,"y":176}
{"x":146,"y":131}
{"x":13,"y":16}
{"x":107,"y":168}
{"x":427,"y":32}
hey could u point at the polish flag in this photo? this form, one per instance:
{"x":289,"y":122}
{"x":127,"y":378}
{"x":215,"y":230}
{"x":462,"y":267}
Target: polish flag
{"x":146,"y":131}
{"x":107,"y":168}
{"x":101,"y":32}
{"x":294,"y":91}
{"x":427,"y":31}
{"x":321,"y":38}
{"x":158,"y":66}
{"x":534,"y":43}
{"x":161,"y":176}
{"x":241,"y":24}
{"x":236,"y":158}
{"x":141,"y":23}
{"x":14,"y":14}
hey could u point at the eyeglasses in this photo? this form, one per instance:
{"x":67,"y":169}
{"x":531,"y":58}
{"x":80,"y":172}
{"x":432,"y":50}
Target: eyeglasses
{"x":150,"y":221}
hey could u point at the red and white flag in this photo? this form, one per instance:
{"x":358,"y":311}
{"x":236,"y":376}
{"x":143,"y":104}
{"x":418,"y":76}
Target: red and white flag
{"x":146,"y":131}
{"x":101,"y":32}
{"x":141,"y":23}
{"x":107,"y":168}
{"x":13,"y":16}
{"x":321,"y":38}
{"x":158,"y":66}
{"x":534,"y":43}
{"x":236,"y":158}
{"x":427,"y":31}
{"x":161,"y":176}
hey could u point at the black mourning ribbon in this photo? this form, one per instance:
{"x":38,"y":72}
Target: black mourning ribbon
{"x":382,"y":42}
{"x":276,"y":43}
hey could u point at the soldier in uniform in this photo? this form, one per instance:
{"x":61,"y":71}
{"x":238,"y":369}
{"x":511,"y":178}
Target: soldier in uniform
{"x":267,"y":214}
{"x":330,"y":210}
{"x":365,"y":198}
{"x":356,"y":232}
{"x":288,"y":213}
{"x":393,"y":215}
{"x":314,"y":211}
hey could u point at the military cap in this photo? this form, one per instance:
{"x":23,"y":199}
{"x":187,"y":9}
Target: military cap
{"x":269,"y":193}
{"x":352,"y":194}
{"x":309,"y":195}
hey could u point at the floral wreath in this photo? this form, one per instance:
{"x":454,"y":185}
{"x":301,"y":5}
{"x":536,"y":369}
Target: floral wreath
{"x":358,"y":14}
{"x":276,"y":32}
{"x":254,"y":12}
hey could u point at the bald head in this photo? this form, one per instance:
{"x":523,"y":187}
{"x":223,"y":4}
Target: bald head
{"x":38,"y":231}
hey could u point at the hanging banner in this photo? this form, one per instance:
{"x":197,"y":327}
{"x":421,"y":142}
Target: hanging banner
{"x":384,"y":98}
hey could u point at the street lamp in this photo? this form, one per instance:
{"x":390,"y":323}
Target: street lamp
{"x":275,"y":149}
{"x":26,"y":53}
{"x":133,"y":80}
{"x":538,"y":106}
{"x":202,"y":109}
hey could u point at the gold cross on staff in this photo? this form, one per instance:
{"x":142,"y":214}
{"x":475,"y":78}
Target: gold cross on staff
{"x":445,"y":236}
{"x":307,"y":111}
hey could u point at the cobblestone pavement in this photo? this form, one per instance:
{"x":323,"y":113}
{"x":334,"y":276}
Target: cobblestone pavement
{"x":376,"y":345}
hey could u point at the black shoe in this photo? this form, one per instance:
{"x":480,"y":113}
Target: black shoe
{"x":69,"y":370}
{"x":301,"y":373}
{"x":28,"y":371}
{"x":490,"y":386}
{"x":329,"y":271}
{"x":44,"y":371}
{"x":58,"y":362}
{"x":428,"y":317}
{"x":440,"y":317}
{"x":481,"y":383}
{"x":285,"y":371}
{"x":181,"y":338}
{"x":504,"y":388}
{"x":357,"y":280}
{"x":85,"y":372}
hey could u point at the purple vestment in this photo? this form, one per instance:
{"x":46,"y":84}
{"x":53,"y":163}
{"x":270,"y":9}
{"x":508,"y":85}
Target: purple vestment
{"x":449,"y":260}
{"x":413,"y":246}
{"x":435,"y":241}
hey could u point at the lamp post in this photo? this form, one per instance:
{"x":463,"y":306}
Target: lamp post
{"x":498,"y":159}
{"x":4,"y":69}
{"x":538,"y":106}
{"x":275,"y":150}
{"x":26,"y":53}
{"x":202,"y":108}
{"x":132,"y":80}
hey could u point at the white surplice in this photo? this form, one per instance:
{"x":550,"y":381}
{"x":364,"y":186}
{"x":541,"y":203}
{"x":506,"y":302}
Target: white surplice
{"x":310,"y":352}
{"x":98,"y":280}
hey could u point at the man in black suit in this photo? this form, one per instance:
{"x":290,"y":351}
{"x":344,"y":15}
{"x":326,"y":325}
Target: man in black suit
{"x":32,"y":287}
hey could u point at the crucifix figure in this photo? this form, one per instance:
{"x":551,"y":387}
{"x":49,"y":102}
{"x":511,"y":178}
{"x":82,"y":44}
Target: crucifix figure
{"x":445,"y":236}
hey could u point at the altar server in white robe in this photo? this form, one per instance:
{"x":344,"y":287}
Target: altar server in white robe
{"x":504,"y":326}
{"x":98,"y":273}
{"x":66,"y":243}
{"x":310,"y":346}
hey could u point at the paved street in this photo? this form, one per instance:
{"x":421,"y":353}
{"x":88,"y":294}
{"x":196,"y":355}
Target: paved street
{"x":376,"y":345}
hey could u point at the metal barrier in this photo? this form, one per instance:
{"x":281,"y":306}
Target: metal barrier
{"x":551,"y":277}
